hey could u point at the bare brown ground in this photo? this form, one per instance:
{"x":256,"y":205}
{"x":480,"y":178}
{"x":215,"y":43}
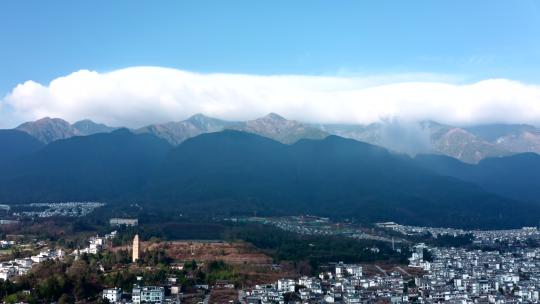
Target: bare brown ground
{"x":193,"y":298}
{"x":252,"y":275}
{"x":234,"y":253}
{"x":253,"y":266}
{"x":223,"y":296}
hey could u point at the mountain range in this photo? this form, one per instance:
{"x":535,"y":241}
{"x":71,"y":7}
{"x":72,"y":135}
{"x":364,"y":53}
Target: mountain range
{"x":15,"y":144}
{"x":516,"y":176}
{"x":238,"y":172}
{"x":469,"y":144}
{"x":99,"y":166}
{"x":47,"y":130}
{"x":335,"y":177}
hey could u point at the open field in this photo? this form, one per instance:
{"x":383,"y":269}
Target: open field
{"x":223,"y":296}
{"x":250,"y":265}
{"x":231,"y":253}
{"x":193,"y":298}
{"x":234,"y":253}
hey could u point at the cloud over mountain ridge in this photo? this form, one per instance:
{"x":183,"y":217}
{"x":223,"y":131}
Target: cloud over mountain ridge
{"x":139,"y":96}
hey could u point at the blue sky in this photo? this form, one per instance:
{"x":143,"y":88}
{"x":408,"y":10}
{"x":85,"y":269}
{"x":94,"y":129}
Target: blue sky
{"x":42,"y":40}
{"x":456,"y":42}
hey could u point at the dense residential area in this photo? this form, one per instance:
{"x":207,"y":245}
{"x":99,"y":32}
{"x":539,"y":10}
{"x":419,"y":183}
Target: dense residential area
{"x":447,"y":275}
{"x":131,"y":262}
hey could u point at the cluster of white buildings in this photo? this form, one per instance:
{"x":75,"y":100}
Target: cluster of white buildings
{"x":511,"y":236}
{"x":69,"y":209}
{"x":22,"y":266}
{"x":148,"y":294}
{"x":346,"y":284}
{"x":441,"y":275}
{"x":312,"y":225}
{"x":123,"y":222}
{"x":95,"y":244}
{"x":480,"y":237}
{"x":113,"y":295}
{"x":6,"y":244}
{"x":473,"y":276}
{"x":141,"y":294}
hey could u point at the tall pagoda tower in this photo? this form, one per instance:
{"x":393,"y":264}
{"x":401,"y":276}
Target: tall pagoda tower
{"x":136,"y":248}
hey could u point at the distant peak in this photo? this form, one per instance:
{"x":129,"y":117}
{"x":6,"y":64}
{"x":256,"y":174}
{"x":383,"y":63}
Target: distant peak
{"x":45,"y":120}
{"x":202,"y":120}
{"x":48,"y":119}
{"x":85,"y":121}
{"x":198,"y":116}
{"x":274,"y":116}
{"x":430,"y":124}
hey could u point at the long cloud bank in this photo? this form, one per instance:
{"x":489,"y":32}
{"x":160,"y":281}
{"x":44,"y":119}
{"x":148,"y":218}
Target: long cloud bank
{"x":143,"y":95}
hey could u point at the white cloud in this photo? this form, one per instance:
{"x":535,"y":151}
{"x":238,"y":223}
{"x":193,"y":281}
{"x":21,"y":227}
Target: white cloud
{"x":142,"y":95}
